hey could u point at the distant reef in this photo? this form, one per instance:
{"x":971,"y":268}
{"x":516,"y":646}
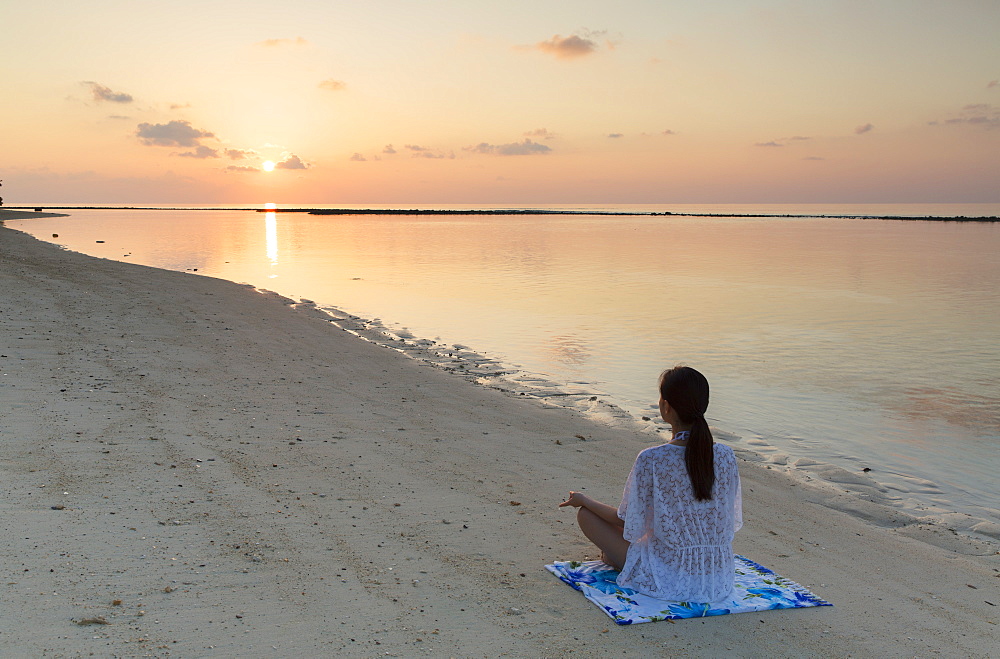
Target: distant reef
{"x":514,"y":211}
{"x":519,"y":211}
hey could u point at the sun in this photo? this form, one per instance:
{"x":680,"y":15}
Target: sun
{"x":268,"y":166}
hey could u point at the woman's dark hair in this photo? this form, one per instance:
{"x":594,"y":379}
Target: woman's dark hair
{"x":686,"y":391}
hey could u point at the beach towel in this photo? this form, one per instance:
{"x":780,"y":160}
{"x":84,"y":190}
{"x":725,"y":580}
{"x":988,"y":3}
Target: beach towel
{"x":757,"y":589}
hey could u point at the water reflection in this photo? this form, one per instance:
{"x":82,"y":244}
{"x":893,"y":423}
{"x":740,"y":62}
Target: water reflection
{"x":271,"y":237}
{"x":571,"y":350}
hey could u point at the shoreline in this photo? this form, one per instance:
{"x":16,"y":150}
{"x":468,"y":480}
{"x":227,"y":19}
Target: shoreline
{"x":483,"y":370}
{"x":235,"y":448}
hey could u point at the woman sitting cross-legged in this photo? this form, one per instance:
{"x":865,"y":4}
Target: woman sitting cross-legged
{"x":672,"y":535}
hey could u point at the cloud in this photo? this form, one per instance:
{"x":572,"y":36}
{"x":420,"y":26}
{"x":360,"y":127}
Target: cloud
{"x":174,"y":133}
{"x":543,"y":133}
{"x":242,"y":168}
{"x":275,"y":43}
{"x":977,"y":107}
{"x":615,"y":136}
{"x":179,"y":106}
{"x":333,"y":85}
{"x":982,"y":115}
{"x":668,"y":132}
{"x":239,"y":154}
{"x":992,"y":83}
{"x":102,"y":93}
{"x":482,"y":147}
{"x":201,"y":152}
{"x":861,"y":130}
{"x":291,"y":161}
{"x":570,"y":47}
{"x":813,"y":158}
{"x":118,"y":116}
{"x":434,"y":156}
{"x":357,"y":157}
{"x":783,"y":141}
{"x":525,"y":148}
{"x":388,"y":149}
{"x":422,"y":152}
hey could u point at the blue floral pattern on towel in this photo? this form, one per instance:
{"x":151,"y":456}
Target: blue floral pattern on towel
{"x":757,"y":589}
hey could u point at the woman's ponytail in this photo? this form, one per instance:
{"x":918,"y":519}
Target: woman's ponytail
{"x":686,"y":391}
{"x":699,"y":457}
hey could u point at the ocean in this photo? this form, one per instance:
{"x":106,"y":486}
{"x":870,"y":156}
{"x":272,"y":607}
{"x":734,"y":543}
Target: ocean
{"x":870,"y":345}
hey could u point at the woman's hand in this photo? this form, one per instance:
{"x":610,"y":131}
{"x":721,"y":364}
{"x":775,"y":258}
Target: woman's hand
{"x":575,"y":499}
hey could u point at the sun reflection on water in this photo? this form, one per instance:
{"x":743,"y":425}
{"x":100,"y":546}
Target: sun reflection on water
{"x":271,"y":237}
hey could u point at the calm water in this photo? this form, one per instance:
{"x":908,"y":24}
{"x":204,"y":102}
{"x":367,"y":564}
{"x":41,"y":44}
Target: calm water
{"x":860,"y":343}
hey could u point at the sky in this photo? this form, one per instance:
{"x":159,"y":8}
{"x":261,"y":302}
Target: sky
{"x":515,"y":102}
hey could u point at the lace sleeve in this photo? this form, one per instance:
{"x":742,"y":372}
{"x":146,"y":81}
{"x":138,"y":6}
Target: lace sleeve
{"x":634,"y":509}
{"x":738,"y":505}
{"x":728,"y":473}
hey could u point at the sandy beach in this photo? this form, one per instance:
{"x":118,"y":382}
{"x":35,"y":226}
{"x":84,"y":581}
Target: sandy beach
{"x":197,"y":469}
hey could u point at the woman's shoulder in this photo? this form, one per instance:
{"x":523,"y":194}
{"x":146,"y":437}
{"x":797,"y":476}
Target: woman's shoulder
{"x":673,"y":451}
{"x":724,"y":449}
{"x":661,"y":452}
{"x":724,"y":454}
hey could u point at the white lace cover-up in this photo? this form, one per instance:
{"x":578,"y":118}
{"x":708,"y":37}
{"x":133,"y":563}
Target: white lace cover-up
{"x":681,"y":548}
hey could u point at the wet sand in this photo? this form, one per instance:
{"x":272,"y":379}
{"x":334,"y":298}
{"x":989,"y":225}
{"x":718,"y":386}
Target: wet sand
{"x":213,"y":471}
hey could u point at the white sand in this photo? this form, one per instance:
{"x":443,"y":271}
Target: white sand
{"x":240,"y":478}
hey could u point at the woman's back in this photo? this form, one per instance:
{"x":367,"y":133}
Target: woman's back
{"x":681,"y":548}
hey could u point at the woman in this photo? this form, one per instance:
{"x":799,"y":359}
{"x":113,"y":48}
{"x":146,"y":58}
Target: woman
{"x":672,"y":535}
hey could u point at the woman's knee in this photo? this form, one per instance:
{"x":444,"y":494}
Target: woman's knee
{"x":586,"y":518}
{"x":592,"y":525}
